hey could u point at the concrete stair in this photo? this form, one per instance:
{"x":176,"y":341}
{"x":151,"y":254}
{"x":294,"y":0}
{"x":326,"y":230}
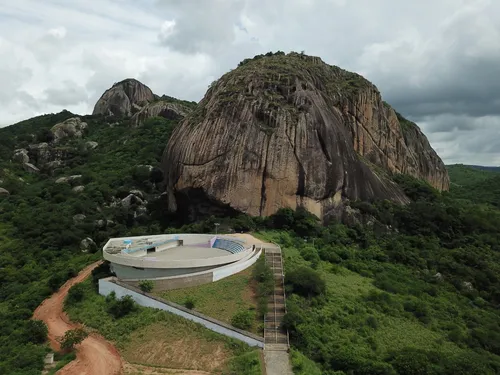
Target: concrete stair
{"x":275,"y":337}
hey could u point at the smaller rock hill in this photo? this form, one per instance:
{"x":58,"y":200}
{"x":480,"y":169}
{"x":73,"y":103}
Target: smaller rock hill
{"x":292,"y":131}
{"x":131,"y":98}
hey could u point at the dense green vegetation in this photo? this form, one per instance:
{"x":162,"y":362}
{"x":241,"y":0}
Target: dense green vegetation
{"x":476,"y":184}
{"x":415,"y":291}
{"x":40,"y":240}
{"x":422,"y":300}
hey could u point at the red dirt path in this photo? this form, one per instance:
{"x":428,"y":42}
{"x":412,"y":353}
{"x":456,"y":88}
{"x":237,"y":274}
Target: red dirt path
{"x":95,"y":355}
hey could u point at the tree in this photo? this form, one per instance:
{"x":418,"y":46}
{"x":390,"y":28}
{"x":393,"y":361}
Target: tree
{"x":306,"y":282}
{"x":75,"y":294}
{"x":36,"y":331}
{"x":121,"y":307}
{"x":72,"y":338}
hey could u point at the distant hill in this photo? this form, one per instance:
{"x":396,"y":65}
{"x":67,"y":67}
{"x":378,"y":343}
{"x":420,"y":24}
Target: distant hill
{"x":490,"y":169}
{"x":476,"y":183}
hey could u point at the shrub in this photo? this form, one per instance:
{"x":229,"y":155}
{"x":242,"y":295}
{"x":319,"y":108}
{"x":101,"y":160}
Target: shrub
{"x":243,"y":319}
{"x":372,"y":322}
{"x":121,"y":307}
{"x":146,"y":285}
{"x":190,"y":303}
{"x":306,"y":282}
{"x":75,"y":294}
{"x":36,"y":331}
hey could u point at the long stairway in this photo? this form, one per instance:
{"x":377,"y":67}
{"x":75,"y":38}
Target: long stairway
{"x":276,"y":338}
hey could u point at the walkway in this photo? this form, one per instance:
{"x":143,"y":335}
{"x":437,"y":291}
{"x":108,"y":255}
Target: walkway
{"x":94,"y":355}
{"x":276,"y":339}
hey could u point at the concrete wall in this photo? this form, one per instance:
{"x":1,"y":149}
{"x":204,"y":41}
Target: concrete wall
{"x":127,"y":272}
{"x":176,"y":282}
{"x":233,"y":268}
{"x":153,"y":262}
{"x":106,"y":286}
{"x":199,"y":278}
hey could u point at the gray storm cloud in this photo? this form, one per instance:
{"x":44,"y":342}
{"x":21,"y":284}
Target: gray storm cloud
{"x":435,"y":62}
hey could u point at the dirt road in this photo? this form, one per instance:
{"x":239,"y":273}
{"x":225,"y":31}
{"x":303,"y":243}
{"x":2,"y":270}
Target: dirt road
{"x":95,"y":355}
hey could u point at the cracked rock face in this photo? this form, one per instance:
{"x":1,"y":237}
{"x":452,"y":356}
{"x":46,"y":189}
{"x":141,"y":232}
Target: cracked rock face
{"x":290,"y":131}
{"x":71,"y":128}
{"x":124,"y":99}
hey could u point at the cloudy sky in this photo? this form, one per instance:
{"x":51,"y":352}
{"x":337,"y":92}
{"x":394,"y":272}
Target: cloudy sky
{"x":435,"y":61}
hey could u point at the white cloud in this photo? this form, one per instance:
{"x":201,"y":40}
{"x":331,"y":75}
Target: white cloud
{"x":435,"y":61}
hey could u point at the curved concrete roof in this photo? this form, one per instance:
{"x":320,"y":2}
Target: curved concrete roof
{"x":196,"y":252}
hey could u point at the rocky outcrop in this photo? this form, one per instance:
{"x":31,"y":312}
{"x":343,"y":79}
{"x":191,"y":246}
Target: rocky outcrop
{"x":88,"y":245}
{"x":290,"y":131}
{"x":4,"y":191}
{"x":132,"y":199}
{"x":69,"y":180}
{"x":21,"y":156}
{"x":124,"y":99}
{"x":91,"y":145}
{"x":79,"y":218}
{"x":71,"y":128}
{"x":30,"y":168}
{"x":49,"y":157}
{"x":162,"y":108}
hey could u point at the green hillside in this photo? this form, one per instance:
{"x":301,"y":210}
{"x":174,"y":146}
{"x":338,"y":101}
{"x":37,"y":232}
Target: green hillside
{"x":475,"y":183}
{"x":394,"y":290}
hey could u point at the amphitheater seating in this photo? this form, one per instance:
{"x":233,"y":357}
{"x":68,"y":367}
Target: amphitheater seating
{"x":231,"y":246}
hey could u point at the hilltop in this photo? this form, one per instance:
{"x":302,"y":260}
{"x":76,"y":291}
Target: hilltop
{"x":292,"y":131}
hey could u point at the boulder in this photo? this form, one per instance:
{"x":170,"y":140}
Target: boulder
{"x":70,"y":179}
{"x":137,"y":193}
{"x":131,"y":199}
{"x":167,"y":109}
{"x":21,"y":156}
{"x":293,"y":131}
{"x":79,"y":218}
{"x":88,"y":245}
{"x":468,"y":286}
{"x":100,"y":224}
{"x":71,"y":128}
{"x":30,"y":168}
{"x":144,"y":166}
{"x":78,"y":189}
{"x":91,"y":145}
{"x":48,"y":157}
{"x":40,"y":153}
{"x":140,"y":212}
{"x":4,"y":191}
{"x":124,"y":99}
{"x":52,"y":165}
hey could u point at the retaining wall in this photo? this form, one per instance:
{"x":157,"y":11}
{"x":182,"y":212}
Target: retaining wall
{"x":110,"y":284}
{"x":198,"y":278}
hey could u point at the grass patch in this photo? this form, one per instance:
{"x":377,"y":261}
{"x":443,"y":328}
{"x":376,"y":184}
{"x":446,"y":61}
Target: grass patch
{"x":179,"y":346}
{"x":153,"y":337}
{"x":222,"y":299}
